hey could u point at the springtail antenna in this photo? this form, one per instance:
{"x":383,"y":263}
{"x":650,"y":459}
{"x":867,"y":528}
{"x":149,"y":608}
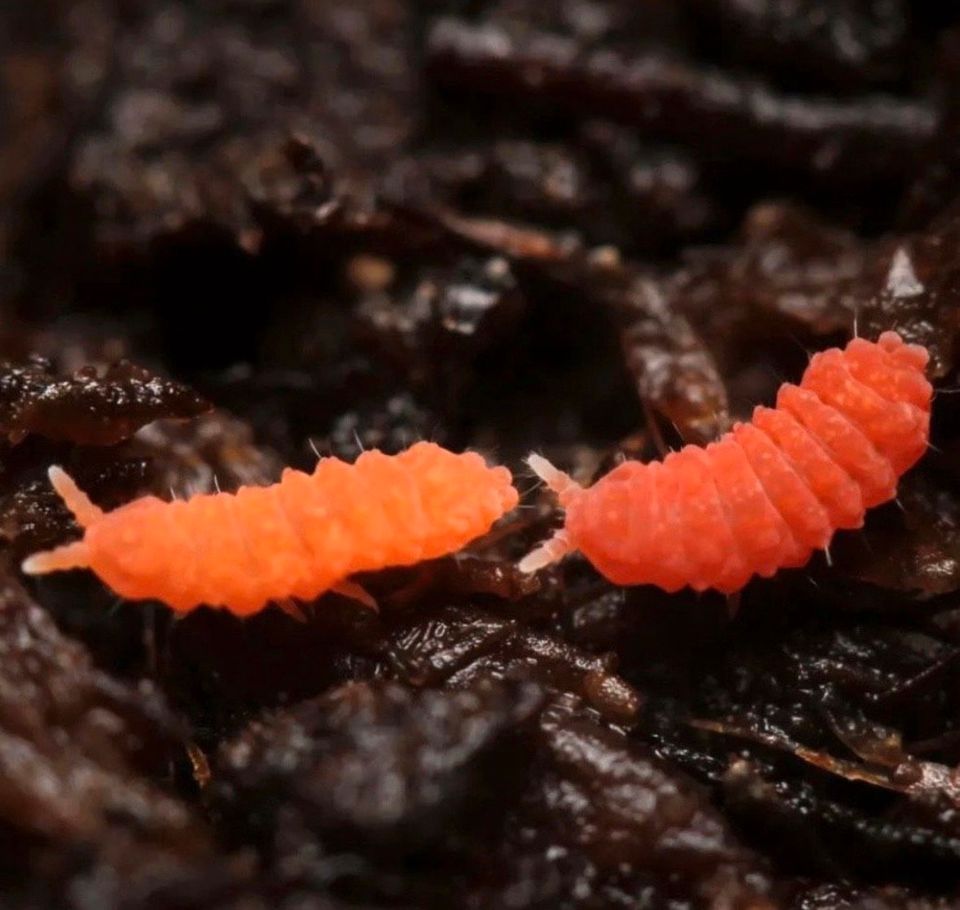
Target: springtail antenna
{"x":74,"y":498}
{"x":546,"y":554}
{"x":70,"y":556}
{"x":562,"y":484}
{"x":565,"y":488}
{"x":74,"y":555}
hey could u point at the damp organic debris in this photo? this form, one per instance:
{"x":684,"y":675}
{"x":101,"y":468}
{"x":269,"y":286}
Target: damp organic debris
{"x":240,"y":236}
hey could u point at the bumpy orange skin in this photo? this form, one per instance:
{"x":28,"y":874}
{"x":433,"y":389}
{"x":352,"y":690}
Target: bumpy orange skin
{"x":302,"y":536}
{"x":768,"y":493}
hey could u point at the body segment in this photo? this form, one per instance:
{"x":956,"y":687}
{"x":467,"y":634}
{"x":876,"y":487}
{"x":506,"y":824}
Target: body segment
{"x":768,"y":493}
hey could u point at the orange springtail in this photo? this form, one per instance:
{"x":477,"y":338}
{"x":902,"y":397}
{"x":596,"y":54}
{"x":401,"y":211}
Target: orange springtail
{"x":768,"y":493}
{"x":295,"y":539}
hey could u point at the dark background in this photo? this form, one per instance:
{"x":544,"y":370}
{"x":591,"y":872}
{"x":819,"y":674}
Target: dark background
{"x":593,"y":229}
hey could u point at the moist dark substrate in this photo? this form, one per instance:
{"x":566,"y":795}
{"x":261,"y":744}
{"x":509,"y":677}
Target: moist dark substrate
{"x":235,"y":232}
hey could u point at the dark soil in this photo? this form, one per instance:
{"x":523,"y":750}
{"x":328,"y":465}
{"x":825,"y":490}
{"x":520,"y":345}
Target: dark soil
{"x":238,"y":231}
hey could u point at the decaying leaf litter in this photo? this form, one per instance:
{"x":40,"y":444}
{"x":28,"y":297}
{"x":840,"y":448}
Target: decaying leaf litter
{"x":590,"y":229}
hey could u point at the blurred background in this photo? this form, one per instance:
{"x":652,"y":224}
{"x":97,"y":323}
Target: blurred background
{"x":237,"y":233}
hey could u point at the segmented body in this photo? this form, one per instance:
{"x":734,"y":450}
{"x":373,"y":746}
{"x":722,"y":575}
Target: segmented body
{"x":294,"y":539}
{"x":769,"y":492}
